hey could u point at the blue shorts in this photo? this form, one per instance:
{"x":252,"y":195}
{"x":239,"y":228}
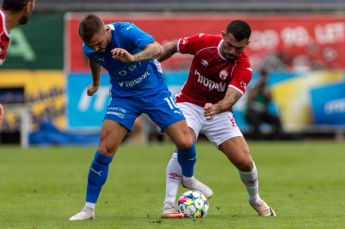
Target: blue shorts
{"x":161,"y":108}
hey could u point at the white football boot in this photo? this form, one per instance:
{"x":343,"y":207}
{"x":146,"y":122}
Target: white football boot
{"x":85,"y":214}
{"x":263,"y":209}
{"x":169,"y":211}
{"x":194,"y":184}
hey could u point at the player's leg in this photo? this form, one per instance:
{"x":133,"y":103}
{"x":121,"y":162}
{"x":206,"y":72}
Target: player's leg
{"x":170,"y":119}
{"x":173,"y":171}
{"x":224,"y":133}
{"x":186,"y":156}
{"x":112,"y":134}
{"x":173,"y":178}
{"x":118,"y":120}
{"x":237,"y":151}
{"x":164,"y":112}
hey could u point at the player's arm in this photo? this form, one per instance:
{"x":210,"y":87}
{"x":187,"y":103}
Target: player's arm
{"x":231,"y":97}
{"x":241,"y":77}
{"x":96,"y":77}
{"x":169,"y":50}
{"x":151,"y":51}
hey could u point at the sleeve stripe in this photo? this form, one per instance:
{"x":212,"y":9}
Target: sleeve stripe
{"x":239,"y":90}
{"x":178,"y":44}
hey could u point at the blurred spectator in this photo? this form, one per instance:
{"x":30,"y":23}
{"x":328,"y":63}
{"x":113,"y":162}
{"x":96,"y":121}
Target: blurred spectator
{"x":258,"y":112}
{"x":2,"y":113}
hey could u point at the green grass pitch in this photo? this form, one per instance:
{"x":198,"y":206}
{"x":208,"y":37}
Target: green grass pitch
{"x":303,"y":181}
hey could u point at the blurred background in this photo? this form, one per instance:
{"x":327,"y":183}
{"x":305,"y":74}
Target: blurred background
{"x":299,"y":44}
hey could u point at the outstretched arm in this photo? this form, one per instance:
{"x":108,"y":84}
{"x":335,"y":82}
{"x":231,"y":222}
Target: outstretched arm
{"x":96,"y":77}
{"x":169,"y":50}
{"x":231,"y":97}
{"x":151,"y":51}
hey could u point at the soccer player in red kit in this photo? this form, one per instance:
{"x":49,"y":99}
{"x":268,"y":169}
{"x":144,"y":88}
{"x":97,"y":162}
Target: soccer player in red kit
{"x":12,"y":14}
{"x":218,"y":77}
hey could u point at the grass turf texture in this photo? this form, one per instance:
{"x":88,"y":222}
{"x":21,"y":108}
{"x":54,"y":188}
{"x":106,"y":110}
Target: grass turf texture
{"x":303,"y":181}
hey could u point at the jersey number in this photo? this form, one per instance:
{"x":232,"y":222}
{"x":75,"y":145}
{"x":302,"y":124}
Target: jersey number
{"x":170,"y":102}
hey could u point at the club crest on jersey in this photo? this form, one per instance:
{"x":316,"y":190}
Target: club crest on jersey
{"x":223,"y":74}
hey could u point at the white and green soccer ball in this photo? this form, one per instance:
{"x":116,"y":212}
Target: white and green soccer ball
{"x":193,"y":204}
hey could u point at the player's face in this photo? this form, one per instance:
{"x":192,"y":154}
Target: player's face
{"x":27,"y":11}
{"x":231,"y":49}
{"x":99,"y":41}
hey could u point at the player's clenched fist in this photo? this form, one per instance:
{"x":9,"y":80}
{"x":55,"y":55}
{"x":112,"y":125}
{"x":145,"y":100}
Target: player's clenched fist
{"x":122,"y":55}
{"x":92,"y":89}
{"x":210,"y":110}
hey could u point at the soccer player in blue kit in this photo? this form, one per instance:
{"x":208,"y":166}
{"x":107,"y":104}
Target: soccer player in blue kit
{"x":137,"y":87}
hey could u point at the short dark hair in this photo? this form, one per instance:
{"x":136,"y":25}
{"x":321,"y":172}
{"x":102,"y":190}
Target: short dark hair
{"x":89,"y":26}
{"x":239,"y":29}
{"x":14,"y":5}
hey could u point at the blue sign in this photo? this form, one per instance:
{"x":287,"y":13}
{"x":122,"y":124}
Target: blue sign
{"x":83,"y":110}
{"x":328,"y":104}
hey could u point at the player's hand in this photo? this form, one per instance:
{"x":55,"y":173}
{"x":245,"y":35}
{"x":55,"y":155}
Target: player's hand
{"x":210,"y":110}
{"x":2,"y":113}
{"x":92,"y":89}
{"x":122,"y":55}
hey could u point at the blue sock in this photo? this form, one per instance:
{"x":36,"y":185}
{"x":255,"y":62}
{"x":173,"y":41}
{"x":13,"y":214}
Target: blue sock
{"x":187,"y":159}
{"x":97,"y":176}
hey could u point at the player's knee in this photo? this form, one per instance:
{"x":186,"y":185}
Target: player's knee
{"x":245,"y":164}
{"x":105,"y":150}
{"x":185,"y":143}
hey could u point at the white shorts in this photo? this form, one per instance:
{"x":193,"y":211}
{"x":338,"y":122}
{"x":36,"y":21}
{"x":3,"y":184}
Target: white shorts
{"x":221,"y":128}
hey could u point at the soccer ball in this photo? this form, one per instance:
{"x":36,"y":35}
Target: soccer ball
{"x":193,"y":204}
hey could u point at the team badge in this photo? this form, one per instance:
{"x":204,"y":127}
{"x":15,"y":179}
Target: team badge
{"x":223,"y":74}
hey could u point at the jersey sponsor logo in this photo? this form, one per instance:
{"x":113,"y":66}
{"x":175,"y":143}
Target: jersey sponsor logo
{"x":211,"y":85}
{"x":118,"y":114}
{"x":132,"y":83}
{"x":223,"y":74}
{"x":204,"y":62}
{"x":120,"y":109}
{"x":117,"y":111}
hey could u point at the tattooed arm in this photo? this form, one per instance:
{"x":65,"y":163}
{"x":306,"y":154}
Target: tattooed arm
{"x":231,"y":97}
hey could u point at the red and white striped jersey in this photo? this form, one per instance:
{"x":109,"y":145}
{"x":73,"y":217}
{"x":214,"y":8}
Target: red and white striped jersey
{"x":210,"y":73}
{"x":4,"y":38}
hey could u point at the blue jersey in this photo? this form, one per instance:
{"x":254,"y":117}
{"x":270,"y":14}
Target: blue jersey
{"x":129,"y":79}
